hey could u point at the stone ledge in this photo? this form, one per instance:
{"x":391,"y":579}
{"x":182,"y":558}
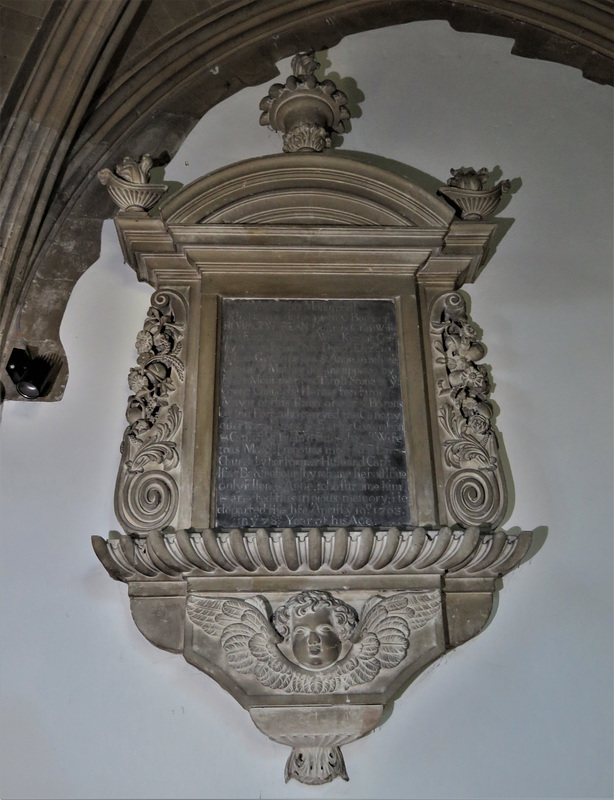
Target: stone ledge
{"x":177,"y":555}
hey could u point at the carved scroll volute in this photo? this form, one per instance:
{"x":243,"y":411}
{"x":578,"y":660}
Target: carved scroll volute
{"x":147,"y":493}
{"x":473,"y":481}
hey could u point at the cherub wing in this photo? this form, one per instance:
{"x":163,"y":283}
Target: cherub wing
{"x":248,"y":639}
{"x":383,"y":635}
{"x":361,"y":664}
{"x":416,"y":608}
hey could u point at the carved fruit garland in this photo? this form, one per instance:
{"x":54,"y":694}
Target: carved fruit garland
{"x":474,"y":489}
{"x":147,"y":495}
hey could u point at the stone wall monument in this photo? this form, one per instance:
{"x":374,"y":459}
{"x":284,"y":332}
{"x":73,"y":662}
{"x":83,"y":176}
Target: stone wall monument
{"x":310,"y":485}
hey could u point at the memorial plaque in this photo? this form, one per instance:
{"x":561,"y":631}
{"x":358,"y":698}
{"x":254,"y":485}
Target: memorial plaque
{"x":311,"y":428}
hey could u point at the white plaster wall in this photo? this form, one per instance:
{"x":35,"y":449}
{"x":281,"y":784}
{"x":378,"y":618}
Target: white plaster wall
{"x":91,"y":710}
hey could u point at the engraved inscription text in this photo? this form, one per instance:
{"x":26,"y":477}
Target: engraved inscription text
{"x":311,"y":426}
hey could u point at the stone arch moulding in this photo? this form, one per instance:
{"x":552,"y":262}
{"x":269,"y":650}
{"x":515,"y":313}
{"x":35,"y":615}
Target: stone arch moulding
{"x":124,"y":82}
{"x":310,"y":483}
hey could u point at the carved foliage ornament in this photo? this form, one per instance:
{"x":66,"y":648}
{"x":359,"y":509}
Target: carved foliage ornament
{"x":147,"y":494}
{"x":474,"y":486}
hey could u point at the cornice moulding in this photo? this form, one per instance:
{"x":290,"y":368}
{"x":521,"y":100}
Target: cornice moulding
{"x":183,"y":554}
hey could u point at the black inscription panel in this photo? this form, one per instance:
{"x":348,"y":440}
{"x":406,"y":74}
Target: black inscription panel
{"x":310,"y":422}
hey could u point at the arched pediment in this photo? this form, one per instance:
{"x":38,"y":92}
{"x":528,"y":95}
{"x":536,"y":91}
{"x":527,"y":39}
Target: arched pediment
{"x":305,"y":189}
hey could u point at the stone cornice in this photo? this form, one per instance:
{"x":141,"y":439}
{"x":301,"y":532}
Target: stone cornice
{"x":252,"y":553}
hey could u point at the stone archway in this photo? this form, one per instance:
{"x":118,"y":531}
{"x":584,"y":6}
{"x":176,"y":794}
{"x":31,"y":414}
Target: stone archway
{"x":114,"y":75}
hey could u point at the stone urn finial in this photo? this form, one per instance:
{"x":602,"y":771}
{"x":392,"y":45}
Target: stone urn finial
{"x":307,"y":111}
{"x":466,"y":191}
{"x":129,"y":185}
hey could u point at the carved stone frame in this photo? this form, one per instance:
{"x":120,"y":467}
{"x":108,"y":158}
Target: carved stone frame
{"x":318,"y":227}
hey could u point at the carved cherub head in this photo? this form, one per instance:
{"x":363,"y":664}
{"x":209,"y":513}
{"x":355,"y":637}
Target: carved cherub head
{"x":316,"y":624}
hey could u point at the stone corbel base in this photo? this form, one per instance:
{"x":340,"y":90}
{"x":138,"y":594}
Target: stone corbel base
{"x":402,"y":598}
